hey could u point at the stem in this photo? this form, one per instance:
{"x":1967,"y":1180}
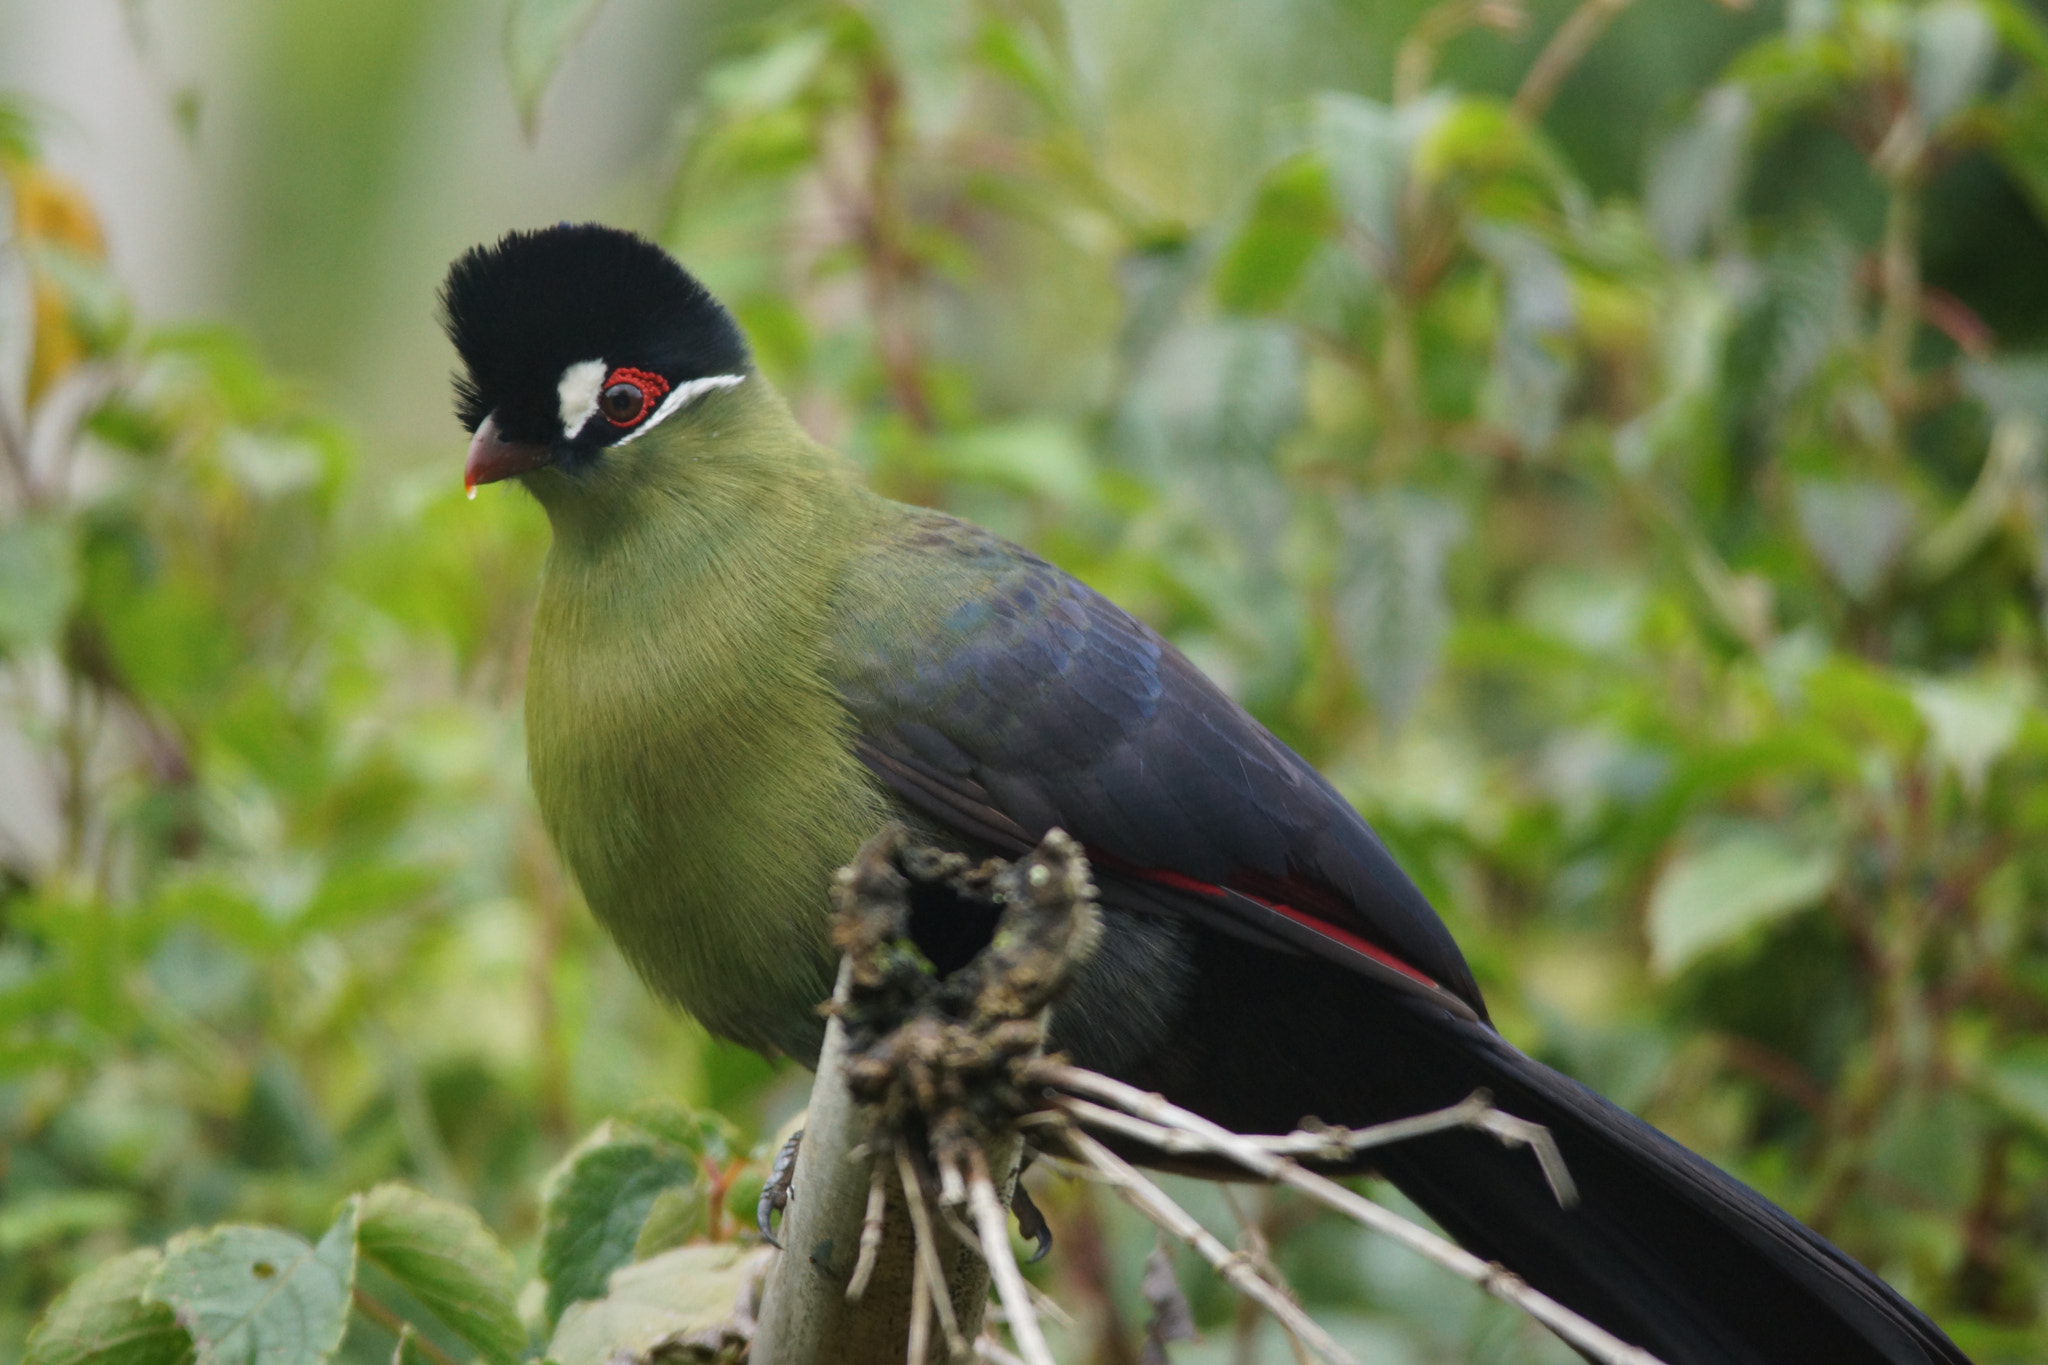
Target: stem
{"x":1899,"y":279}
{"x":376,"y":1312}
{"x":805,"y":1317}
{"x":992,"y":1221}
{"x":1416,"y":60}
{"x":1165,"y":1118}
{"x":14,"y":451}
{"x":1400,"y":384}
{"x":1565,"y":50}
{"x":1170,"y":1217}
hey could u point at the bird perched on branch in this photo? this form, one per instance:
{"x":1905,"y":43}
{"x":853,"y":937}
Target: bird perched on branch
{"x":744,"y":662}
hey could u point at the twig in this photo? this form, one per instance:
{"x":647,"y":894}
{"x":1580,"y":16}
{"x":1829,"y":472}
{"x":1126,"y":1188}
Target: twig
{"x":1587,"y":1336}
{"x":870,"y":1229}
{"x":986,"y":1348}
{"x":928,"y":1267}
{"x":387,"y":1318}
{"x":1332,"y":1144}
{"x":1146,"y":1197}
{"x":920,"y":1352}
{"x":1566,"y":49}
{"x":14,"y":452}
{"x":992,"y":1221}
{"x":1251,"y":1236}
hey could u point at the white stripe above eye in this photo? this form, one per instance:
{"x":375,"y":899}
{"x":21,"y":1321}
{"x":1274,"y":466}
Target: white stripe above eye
{"x":680,"y":397}
{"x":580,"y":386}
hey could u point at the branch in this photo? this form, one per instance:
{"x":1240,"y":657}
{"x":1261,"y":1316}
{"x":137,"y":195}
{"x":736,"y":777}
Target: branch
{"x":1178,"y":1126}
{"x":917,"y":1068}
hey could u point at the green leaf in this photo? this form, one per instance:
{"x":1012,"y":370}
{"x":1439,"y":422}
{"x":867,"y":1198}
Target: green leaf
{"x":1972,"y":722}
{"x":681,"y":1296}
{"x":538,"y":34}
{"x":1695,"y":177}
{"x":1857,"y":529}
{"x":595,"y":1204}
{"x":103,"y":1319}
{"x":38,"y":582}
{"x":771,"y":78}
{"x":1213,"y":391}
{"x":1036,"y":456}
{"x":40,"y":1217}
{"x":674,"y":1218}
{"x":2012,"y":386}
{"x":2018,"y":1082}
{"x":1392,"y":613}
{"x":1294,"y":213}
{"x":260,"y":1296}
{"x":1366,"y":146}
{"x":447,"y":1259}
{"x":1710,"y":896}
{"x":1526,"y":389}
{"x":1954,"y":43}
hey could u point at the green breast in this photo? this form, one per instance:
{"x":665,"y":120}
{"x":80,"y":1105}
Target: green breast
{"x":694,"y":772}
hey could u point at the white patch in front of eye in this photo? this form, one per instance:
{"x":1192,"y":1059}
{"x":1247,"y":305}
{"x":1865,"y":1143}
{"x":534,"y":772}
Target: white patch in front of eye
{"x":580,"y":386}
{"x":680,"y":397}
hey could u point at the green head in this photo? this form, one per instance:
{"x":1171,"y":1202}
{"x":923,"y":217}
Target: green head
{"x":596,"y":369}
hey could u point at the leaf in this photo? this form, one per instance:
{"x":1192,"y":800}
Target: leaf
{"x":1973,"y":721}
{"x":38,"y":583}
{"x":2011,"y":386}
{"x":1391,"y":609}
{"x":1036,"y":456}
{"x":1695,"y":176}
{"x":1365,"y":147}
{"x":1857,"y":528}
{"x":260,"y":1296}
{"x":447,"y":1259}
{"x":538,"y":34}
{"x":1710,"y":896}
{"x":2018,"y":1082}
{"x":2021,"y":30}
{"x":1211,"y":391}
{"x":1954,"y":43}
{"x":40,"y":1217}
{"x":682,"y":1294}
{"x":1293,"y":215}
{"x":1813,"y":306}
{"x":771,"y":78}
{"x":1526,"y":389}
{"x":674,"y":1218}
{"x":103,"y":1319}
{"x":596,"y":1202}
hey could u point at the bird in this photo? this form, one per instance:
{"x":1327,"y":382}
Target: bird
{"x":744,"y":662}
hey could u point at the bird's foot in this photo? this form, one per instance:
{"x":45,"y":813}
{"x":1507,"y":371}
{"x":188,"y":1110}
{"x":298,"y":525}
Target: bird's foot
{"x":775,"y":1194}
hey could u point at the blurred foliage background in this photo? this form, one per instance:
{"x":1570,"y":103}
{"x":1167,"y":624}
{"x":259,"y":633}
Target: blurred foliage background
{"x":1611,"y":439}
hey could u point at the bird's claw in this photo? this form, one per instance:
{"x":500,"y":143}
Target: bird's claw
{"x":1031,"y":1223}
{"x":775,"y":1194}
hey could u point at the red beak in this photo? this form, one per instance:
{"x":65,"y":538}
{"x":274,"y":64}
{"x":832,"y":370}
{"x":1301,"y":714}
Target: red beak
{"x":491,"y":457}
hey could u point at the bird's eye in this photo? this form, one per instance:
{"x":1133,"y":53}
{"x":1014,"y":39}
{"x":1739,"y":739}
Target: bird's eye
{"x":629,"y":395}
{"x":622,"y":404}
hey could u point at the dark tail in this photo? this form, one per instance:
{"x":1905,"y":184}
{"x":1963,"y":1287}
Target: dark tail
{"x":1662,"y":1248}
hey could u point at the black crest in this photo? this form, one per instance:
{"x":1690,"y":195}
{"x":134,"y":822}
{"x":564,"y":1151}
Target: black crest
{"x":522,"y":311}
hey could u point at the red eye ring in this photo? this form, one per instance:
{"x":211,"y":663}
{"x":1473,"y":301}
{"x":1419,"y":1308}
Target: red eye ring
{"x":645,"y":385}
